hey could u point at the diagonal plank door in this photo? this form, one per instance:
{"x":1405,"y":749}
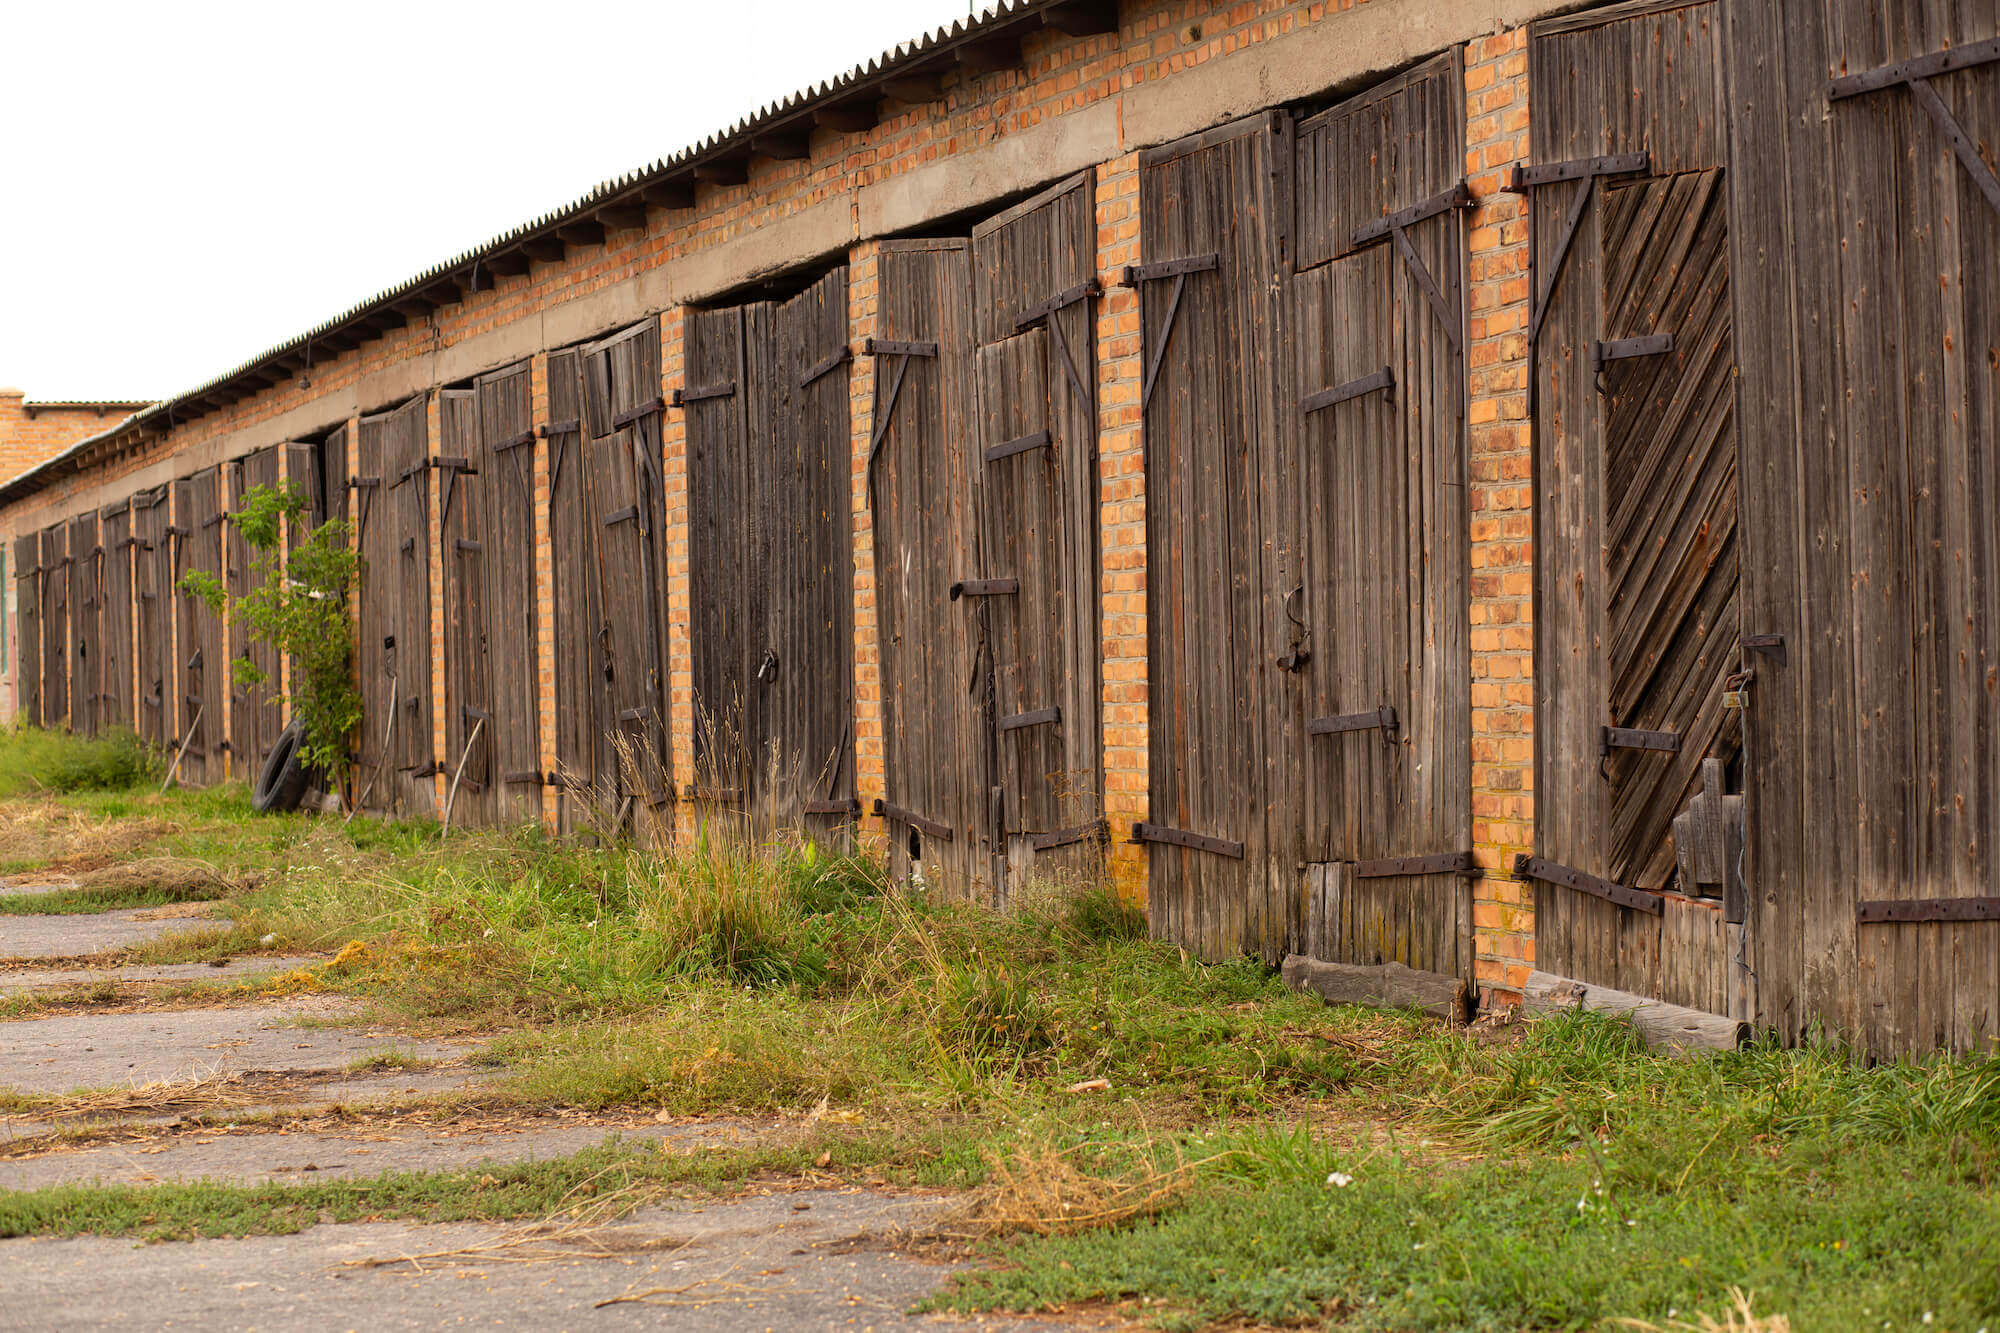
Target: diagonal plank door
{"x":1670,"y":505}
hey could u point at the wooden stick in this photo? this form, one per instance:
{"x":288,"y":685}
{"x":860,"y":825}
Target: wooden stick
{"x":388,"y":735}
{"x":451,"y":797}
{"x":181,"y":754}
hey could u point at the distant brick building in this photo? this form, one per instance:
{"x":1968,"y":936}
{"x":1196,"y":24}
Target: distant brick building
{"x":33,"y":432}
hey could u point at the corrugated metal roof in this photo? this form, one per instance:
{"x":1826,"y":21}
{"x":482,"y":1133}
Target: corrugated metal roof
{"x":46,"y":403}
{"x":728,"y":142}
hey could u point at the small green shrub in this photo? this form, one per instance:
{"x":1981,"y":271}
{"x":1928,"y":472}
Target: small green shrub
{"x":990,"y":1011}
{"x":34,"y":760}
{"x":1100,"y":916}
{"x":297,"y":603}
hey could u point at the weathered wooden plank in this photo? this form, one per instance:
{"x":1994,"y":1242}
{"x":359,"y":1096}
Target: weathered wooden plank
{"x":1382,"y":986}
{"x":1670,"y":1027}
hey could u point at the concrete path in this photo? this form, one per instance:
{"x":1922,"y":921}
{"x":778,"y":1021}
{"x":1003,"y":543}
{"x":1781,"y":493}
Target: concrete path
{"x":209,"y":1071}
{"x":235,"y":969}
{"x":73,"y":936}
{"x":252,"y":1154}
{"x":816,"y":1260}
{"x":87,"y":1050}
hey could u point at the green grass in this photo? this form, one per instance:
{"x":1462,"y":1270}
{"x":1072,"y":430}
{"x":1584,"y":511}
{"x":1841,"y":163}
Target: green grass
{"x":85,"y":900}
{"x":634,"y":1172}
{"x":1586,"y":1180}
{"x":936,"y":1042}
{"x":36,"y":761}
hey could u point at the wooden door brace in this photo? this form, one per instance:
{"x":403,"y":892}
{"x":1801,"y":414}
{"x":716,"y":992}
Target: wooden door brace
{"x":1915,"y":75}
{"x":902,"y":351}
{"x":1395,"y":226}
{"x":1178,"y":270}
{"x":1046,"y":313}
{"x":1587,"y":170}
{"x":1383,"y":380}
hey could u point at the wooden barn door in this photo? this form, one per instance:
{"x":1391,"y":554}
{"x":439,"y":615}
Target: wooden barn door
{"x":393,"y":520}
{"x":1379,"y":311}
{"x":805,"y":676}
{"x":936,"y":650}
{"x":1636,"y":496}
{"x":584,"y":769}
{"x":55,"y":626}
{"x":486,"y":519}
{"x":86,"y":604}
{"x":506,"y":463}
{"x":153,"y":593}
{"x":770,"y":558}
{"x":28,"y":629}
{"x":1034,"y":274}
{"x":468,"y":543}
{"x":200,"y":671}
{"x":114,"y":677}
{"x":1865,"y":223}
{"x":621,"y":472}
{"x":719,"y":399}
{"x":255,"y":709}
{"x":1222,"y":535}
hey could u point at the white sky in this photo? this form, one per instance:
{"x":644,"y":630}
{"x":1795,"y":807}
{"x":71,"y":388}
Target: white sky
{"x":185,"y":185}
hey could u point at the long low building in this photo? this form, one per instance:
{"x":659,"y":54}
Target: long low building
{"x":1504,"y":488}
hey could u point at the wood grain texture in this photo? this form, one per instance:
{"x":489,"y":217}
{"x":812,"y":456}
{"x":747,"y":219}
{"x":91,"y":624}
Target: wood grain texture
{"x":1384,"y":608}
{"x":153,"y":614}
{"x":925,"y":499}
{"x":1224,"y":543}
{"x":392,"y":512}
{"x":114,"y":676}
{"x":1635,"y":475}
{"x":27,"y":574}
{"x":769,"y":551}
{"x":1036,"y":379}
{"x":86,"y":608}
{"x":1865,"y":291}
{"x":200,"y":674}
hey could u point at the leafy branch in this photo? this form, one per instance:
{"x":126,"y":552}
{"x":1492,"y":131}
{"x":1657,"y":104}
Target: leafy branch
{"x":298,"y":604}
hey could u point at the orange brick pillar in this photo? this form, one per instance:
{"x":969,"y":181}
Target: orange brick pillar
{"x":869,"y":779}
{"x":545,"y":586}
{"x":1502,"y":630}
{"x":680,"y":595}
{"x":1121,"y":525}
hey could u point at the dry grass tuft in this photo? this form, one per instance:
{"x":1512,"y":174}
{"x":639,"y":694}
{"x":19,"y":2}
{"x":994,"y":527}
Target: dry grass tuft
{"x":579,"y":1228}
{"x":1739,"y":1318}
{"x":179,"y":877}
{"x":57,"y":839}
{"x":1042,"y":1190}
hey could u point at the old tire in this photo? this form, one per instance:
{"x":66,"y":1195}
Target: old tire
{"x":282,"y":783}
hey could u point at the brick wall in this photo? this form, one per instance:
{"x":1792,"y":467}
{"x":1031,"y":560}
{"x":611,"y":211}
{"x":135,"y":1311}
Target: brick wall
{"x":32,"y":433}
{"x":1122,"y":524}
{"x":869,"y":773}
{"x":1502,"y":632}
